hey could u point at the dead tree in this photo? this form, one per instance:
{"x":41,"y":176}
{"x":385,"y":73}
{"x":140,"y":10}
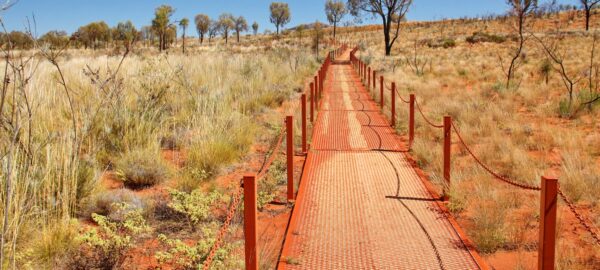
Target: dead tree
{"x":588,"y":6}
{"x":520,"y":10}
{"x":392,"y":12}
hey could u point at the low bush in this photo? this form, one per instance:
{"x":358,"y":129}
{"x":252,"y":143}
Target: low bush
{"x":442,"y":43}
{"x":140,"y":169}
{"x":105,"y":247}
{"x":103,"y":203}
{"x":181,"y":255}
{"x":481,"y":37}
{"x":197,"y":206}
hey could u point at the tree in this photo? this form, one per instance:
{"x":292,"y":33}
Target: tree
{"x":161,"y":23}
{"x":318,"y":28}
{"x":588,"y":6}
{"x":202,"y":25}
{"x":226,"y":23}
{"x":240,"y":26}
{"x":280,"y":14}
{"x":335,"y":10}
{"x":183,"y":24}
{"x":91,"y":35}
{"x":391,"y":12}
{"x":255,"y":28}
{"x":520,"y":10}
{"x":214,"y":28}
{"x":147,"y":34}
{"x":55,"y":39}
{"x":126,"y":33}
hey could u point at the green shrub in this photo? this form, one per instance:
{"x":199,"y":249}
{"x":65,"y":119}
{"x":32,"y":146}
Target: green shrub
{"x":140,"y":169}
{"x":105,"y":247}
{"x":196,"y":206}
{"x":442,"y":43}
{"x":479,"y":37}
{"x":564,"y":108}
{"x":104,"y":202}
{"x":181,"y":255}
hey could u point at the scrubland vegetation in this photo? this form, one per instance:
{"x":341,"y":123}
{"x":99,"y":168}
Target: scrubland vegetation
{"x":538,"y":125}
{"x":116,"y":143}
{"x":86,"y":135}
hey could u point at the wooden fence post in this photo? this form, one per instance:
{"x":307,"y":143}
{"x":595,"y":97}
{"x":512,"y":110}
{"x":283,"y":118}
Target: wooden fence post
{"x":369,"y":78}
{"x":547,"y":244}
{"x":289,"y":121}
{"x":393,"y":104}
{"x":250,"y":206}
{"x":381,"y":103}
{"x":312,"y":102}
{"x":447,"y":148}
{"x":303,"y":106}
{"x":411,"y":120}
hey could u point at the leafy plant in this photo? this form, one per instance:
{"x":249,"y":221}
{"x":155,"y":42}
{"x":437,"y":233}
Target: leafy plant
{"x":106,"y":203}
{"x":105,"y":247}
{"x":196,"y":206}
{"x":183,"y":255}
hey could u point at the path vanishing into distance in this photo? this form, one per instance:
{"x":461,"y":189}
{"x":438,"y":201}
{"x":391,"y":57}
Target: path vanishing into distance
{"x":361,"y":205}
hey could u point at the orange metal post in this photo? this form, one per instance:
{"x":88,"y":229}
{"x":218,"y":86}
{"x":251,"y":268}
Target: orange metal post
{"x":321,"y":81}
{"x":374,"y":80}
{"x":447,"y":145}
{"x":251,"y":251}
{"x":381,"y":91}
{"x":312,"y":102}
{"x":317,"y":91}
{"x":411,"y":120}
{"x":289,"y":121}
{"x":393,"y":104}
{"x":547,"y":235}
{"x":368,"y":78}
{"x":303,"y":105}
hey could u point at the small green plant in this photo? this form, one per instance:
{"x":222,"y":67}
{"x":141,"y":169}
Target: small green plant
{"x":104,"y":247}
{"x":196,"y":206}
{"x":182,"y":255}
{"x":478,"y":37}
{"x":104,"y":202}
{"x":140,"y":169}
{"x":564,"y":108}
{"x":544,"y":69}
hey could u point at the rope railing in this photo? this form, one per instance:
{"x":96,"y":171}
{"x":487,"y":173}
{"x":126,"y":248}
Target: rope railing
{"x":486,"y":168}
{"x":425,"y":117}
{"x":235,"y":202}
{"x":237,"y":194}
{"x":572,"y":208}
{"x":579,"y":217}
{"x":570,"y":204}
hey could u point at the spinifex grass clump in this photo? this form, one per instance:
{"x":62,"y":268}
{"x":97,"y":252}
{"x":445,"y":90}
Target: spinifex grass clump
{"x":140,"y":169}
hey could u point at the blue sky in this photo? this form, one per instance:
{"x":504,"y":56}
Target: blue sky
{"x":68,"y":15}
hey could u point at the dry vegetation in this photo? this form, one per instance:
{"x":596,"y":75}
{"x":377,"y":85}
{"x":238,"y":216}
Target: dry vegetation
{"x":105,"y":155}
{"x":528,"y":129}
{"x":110,"y":159}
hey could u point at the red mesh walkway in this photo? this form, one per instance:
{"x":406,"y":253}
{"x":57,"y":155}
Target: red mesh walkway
{"x":360,"y":204}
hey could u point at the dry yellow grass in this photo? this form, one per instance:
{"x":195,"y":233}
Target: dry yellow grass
{"x":520,"y":132}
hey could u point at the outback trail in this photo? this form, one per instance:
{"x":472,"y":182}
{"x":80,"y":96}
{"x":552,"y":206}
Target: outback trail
{"x":361,"y":205}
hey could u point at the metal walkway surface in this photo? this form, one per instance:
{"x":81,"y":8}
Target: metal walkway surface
{"x":361,"y":205}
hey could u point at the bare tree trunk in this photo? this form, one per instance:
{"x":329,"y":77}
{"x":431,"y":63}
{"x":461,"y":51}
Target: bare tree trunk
{"x":334,"y":30}
{"x":588,"y":14}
